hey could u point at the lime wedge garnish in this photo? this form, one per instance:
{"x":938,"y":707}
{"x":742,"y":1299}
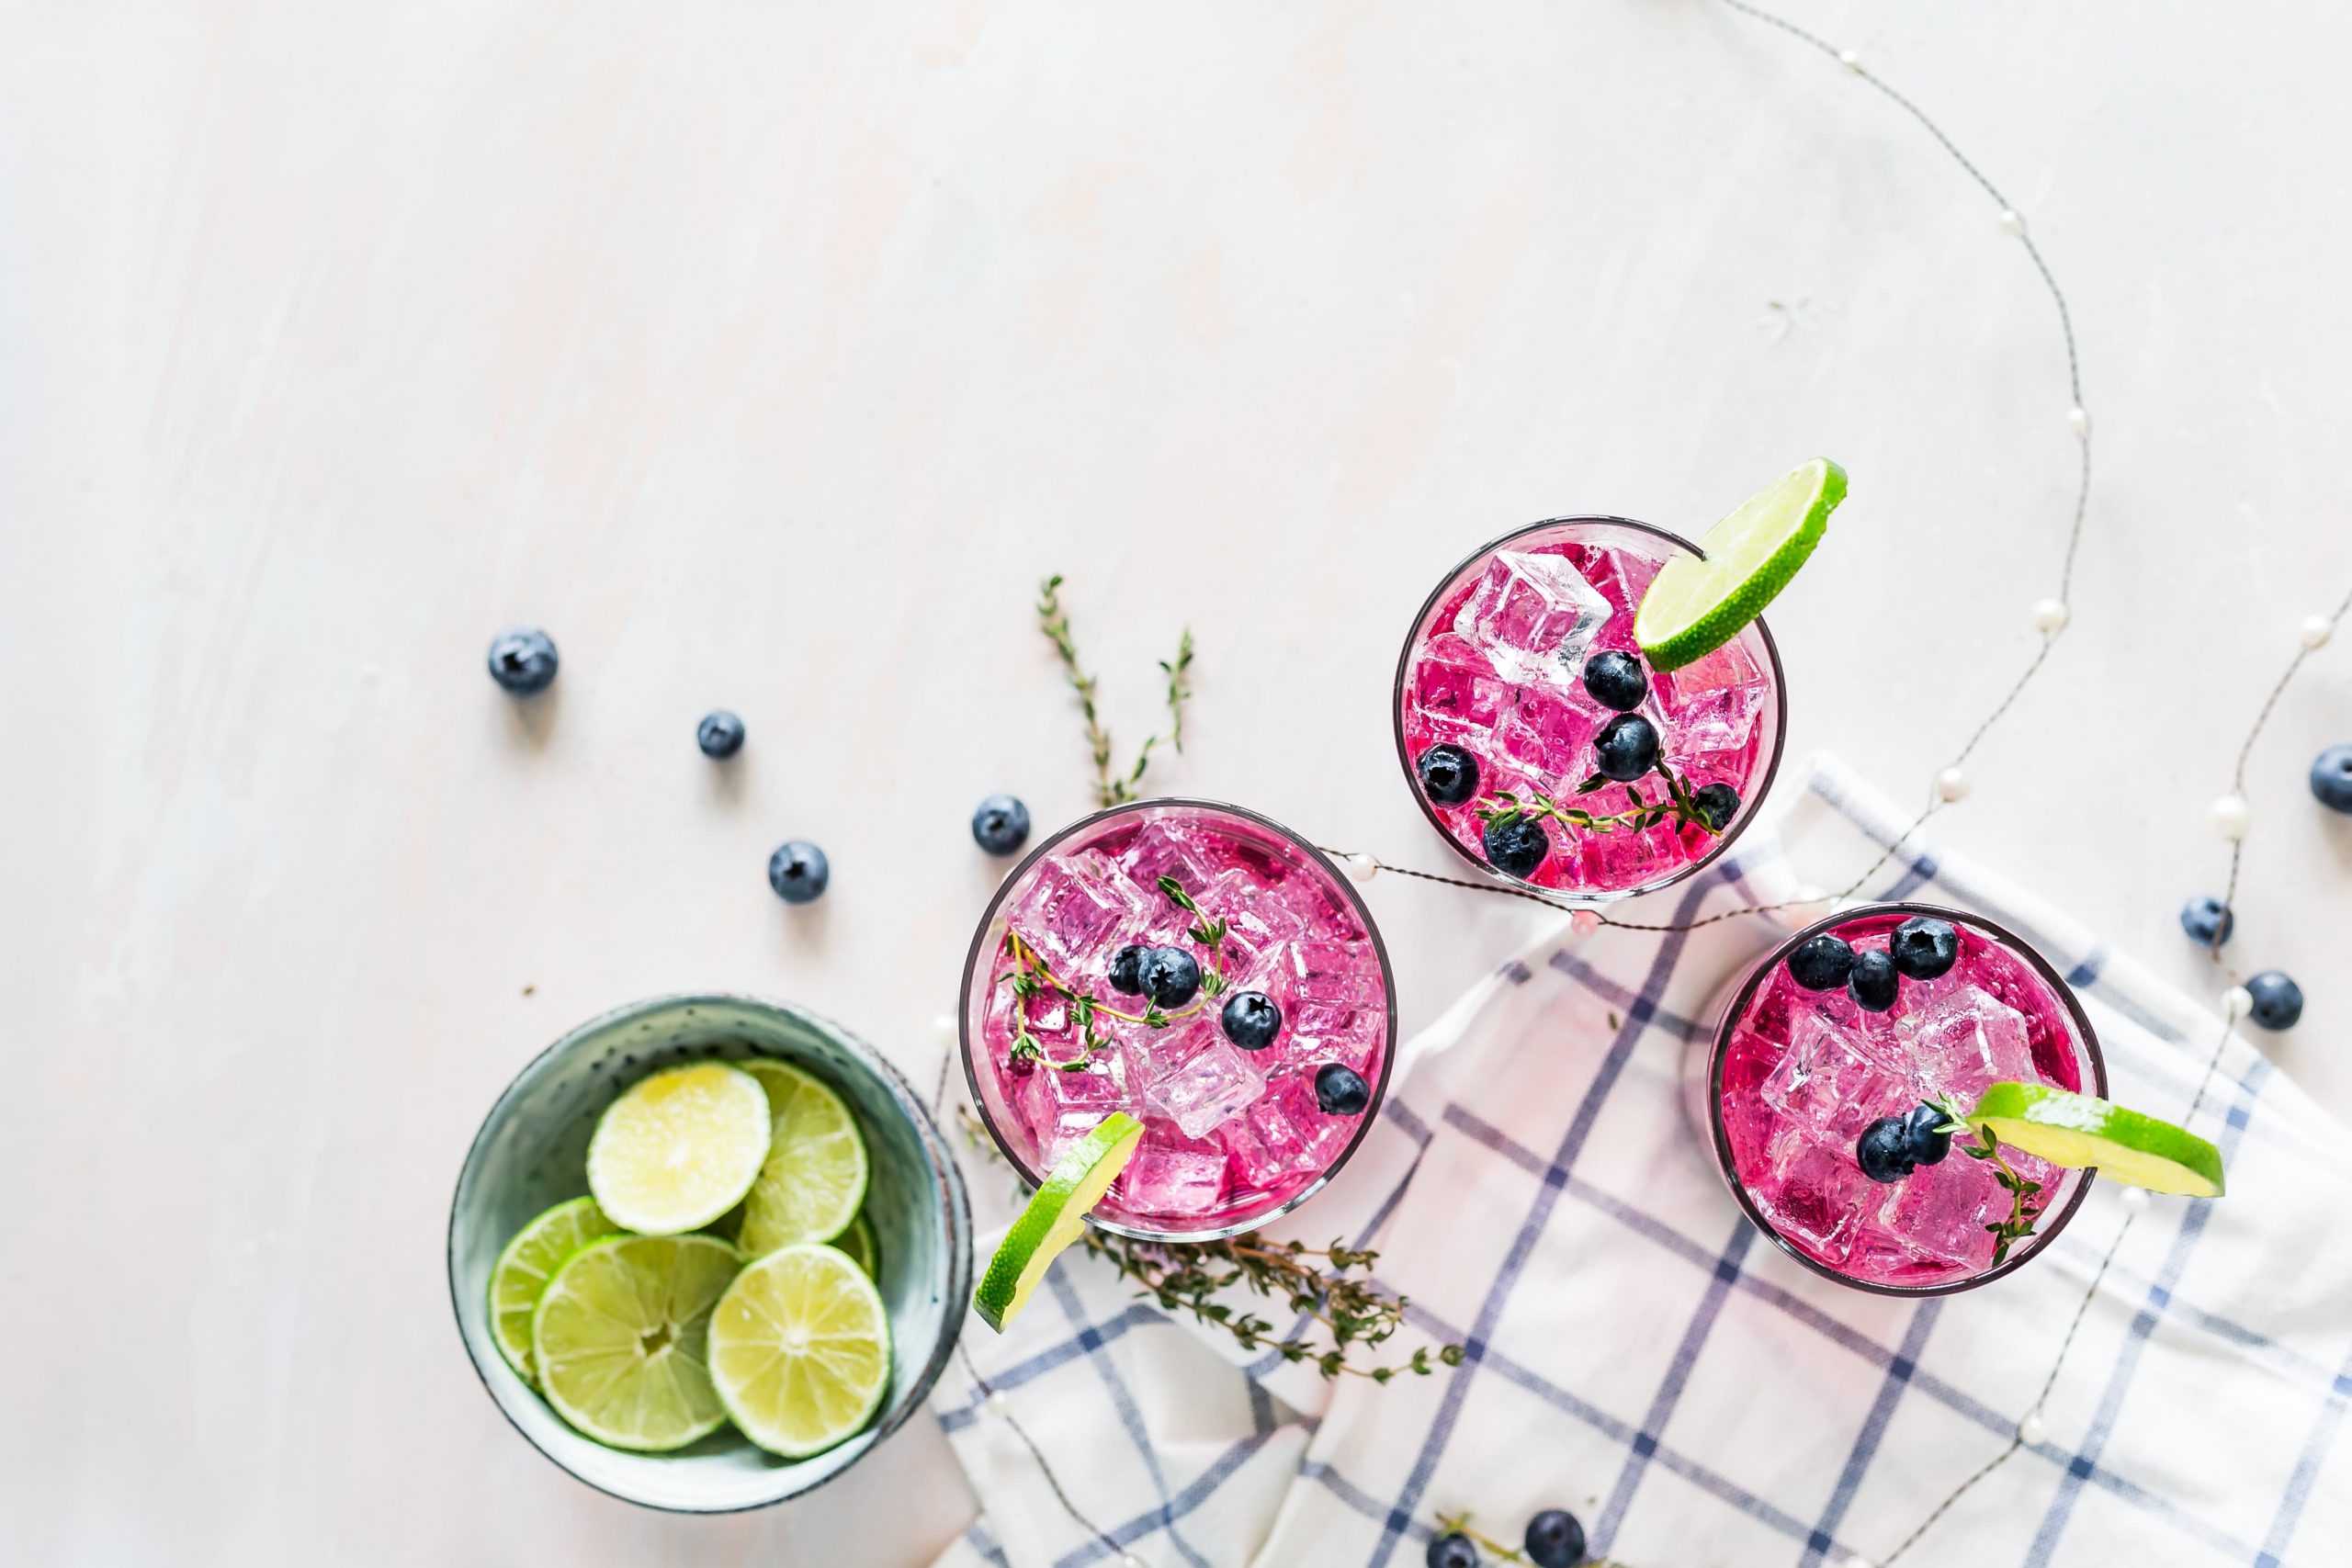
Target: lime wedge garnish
{"x":814,"y":1176}
{"x":679,"y":1149}
{"x":1056,"y":1213}
{"x":621,"y":1338}
{"x":800,"y":1349}
{"x":523,"y":1268}
{"x":859,"y":1243}
{"x":2077,"y":1130}
{"x":1695,"y":606}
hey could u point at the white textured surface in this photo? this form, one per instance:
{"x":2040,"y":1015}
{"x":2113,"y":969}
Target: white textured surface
{"x":768,"y":354}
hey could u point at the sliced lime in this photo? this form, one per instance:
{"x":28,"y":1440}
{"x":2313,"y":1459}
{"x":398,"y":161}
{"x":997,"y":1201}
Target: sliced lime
{"x":1056,"y":1213}
{"x":800,"y":1349}
{"x":679,"y":1149}
{"x":523,"y":1271}
{"x":859,"y":1243}
{"x":2079,"y":1131}
{"x":622,"y":1339}
{"x":814,"y":1176}
{"x":1695,"y":606}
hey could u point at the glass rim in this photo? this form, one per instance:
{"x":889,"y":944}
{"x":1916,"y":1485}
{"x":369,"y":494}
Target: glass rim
{"x":981,"y":944}
{"x":1751,"y":808}
{"x":2045,"y":1231}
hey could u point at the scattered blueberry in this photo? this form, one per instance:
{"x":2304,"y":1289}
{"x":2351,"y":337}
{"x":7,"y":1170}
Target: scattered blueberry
{"x":1515,"y":845}
{"x":1341,"y":1091}
{"x":798,"y":872}
{"x":1718,"y":803}
{"x":2330,"y":774}
{"x":1170,"y":977}
{"x":1001,"y":824}
{"x":720,"y":734}
{"x":2277,"y":1000}
{"x":1626,"y":747}
{"x":2206,"y":921}
{"x":1449,"y":775}
{"x":1555,"y":1539}
{"x":1920,"y":1138}
{"x":1451,"y":1549}
{"x":1126,"y":969}
{"x":1873,"y":983}
{"x":1822,"y":963}
{"x":1924,"y":947}
{"x":523,"y":661}
{"x":1883,"y":1150}
{"x":1616,"y":680}
{"x":1251,"y":1020}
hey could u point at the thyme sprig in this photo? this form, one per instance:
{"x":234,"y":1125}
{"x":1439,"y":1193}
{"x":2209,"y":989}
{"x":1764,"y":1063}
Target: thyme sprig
{"x":1678,"y":802}
{"x":1031,"y":976}
{"x":2026,"y":1201}
{"x":1111,"y":787}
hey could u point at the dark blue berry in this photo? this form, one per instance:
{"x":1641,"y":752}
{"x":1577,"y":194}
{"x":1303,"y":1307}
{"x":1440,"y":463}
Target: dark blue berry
{"x":1449,"y":775}
{"x":2277,"y":1000}
{"x":2331,"y":776}
{"x":1822,"y":963}
{"x":1341,"y":1091}
{"x":1717,"y":803}
{"x":1451,"y":1549}
{"x":1251,"y":1020}
{"x":1170,"y":977}
{"x":1515,"y":845}
{"x":2206,"y":921}
{"x":1126,"y":969}
{"x":1555,"y":1539}
{"x":1925,"y":1144}
{"x":1872,"y":982}
{"x":1924,"y":947}
{"x":1616,"y":680}
{"x":1626,"y":747}
{"x":798,"y":872}
{"x":1001,"y":824}
{"x":523,"y":661}
{"x":720,"y":734}
{"x":1883,"y":1150}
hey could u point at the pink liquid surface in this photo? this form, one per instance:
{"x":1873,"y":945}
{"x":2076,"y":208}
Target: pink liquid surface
{"x":1805,"y":1071}
{"x":1497,"y":668}
{"x":1230,"y":1136}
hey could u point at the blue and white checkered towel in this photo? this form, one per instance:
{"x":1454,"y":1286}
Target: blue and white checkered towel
{"x":1639,"y":1353}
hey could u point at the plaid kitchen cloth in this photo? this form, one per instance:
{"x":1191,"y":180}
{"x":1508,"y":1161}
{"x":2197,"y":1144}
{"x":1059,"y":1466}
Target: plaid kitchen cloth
{"x":1638,"y":1353}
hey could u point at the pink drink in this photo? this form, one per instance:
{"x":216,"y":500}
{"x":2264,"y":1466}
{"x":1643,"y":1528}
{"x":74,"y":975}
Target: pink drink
{"x":1494,"y":665}
{"x":1232,"y":1136}
{"x":1788,"y":1078}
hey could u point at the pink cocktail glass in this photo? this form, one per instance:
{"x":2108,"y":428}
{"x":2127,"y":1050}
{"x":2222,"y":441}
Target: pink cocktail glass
{"x":1784,"y":1082}
{"x":1494,"y":664}
{"x":1232,"y":1137}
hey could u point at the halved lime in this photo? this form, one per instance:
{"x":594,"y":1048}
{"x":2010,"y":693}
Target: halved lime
{"x":679,"y":1149}
{"x":858,"y":1242}
{"x":800,"y":1349}
{"x":1056,"y":1213}
{"x":814,"y":1176}
{"x":2079,"y":1130}
{"x":523,"y":1268}
{"x":622,"y":1339}
{"x":1695,"y":606}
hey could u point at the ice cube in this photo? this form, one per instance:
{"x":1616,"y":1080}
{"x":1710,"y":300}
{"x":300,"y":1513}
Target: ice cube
{"x":1833,"y":1081}
{"x":1338,"y":972}
{"x":1962,"y":1039}
{"x":1200,"y":1079}
{"x":1710,"y":705}
{"x":1549,"y":732}
{"x":1315,"y":1033}
{"x":1075,"y":909}
{"x":1455,"y":684}
{"x":1170,"y":1176}
{"x":1286,"y":1132}
{"x":1168,"y":848}
{"x":1814,"y":1192}
{"x":1060,"y":1107}
{"x":1534,"y":616}
{"x":1628,"y":857}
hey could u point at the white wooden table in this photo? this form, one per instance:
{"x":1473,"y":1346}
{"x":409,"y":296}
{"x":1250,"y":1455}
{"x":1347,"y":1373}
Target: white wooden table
{"x":768,"y":355}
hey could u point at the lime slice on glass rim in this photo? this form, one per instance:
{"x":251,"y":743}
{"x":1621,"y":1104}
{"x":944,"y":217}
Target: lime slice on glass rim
{"x":800,"y":1349}
{"x":2079,"y":1130}
{"x":622,"y":1339}
{"x":521,"y":1274}
{"x":814,"y":1178}
{"x":1056,"y":1213}
{"x":678,"y":1149}
{"x":1695,"y":605}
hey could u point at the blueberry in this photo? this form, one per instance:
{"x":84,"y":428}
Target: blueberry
{"x":720,"y":734}
{"x":1717,"y":803}
{"x":1920,"y":1138}
{"x":2330,"y":774}
{"x":1872,"y":984}
{"x":2206,"y":921}
{"x":1251,"y":1020}
{"x":1341,"y":1091}
{"x":1001,"y":824}
{"x":1126,"y":969}
{"x":1822,"y":963}
{"x":2277,"y":1001}
{"x":1449,"y":775}
{"x":1451,"y":1549}
{"x":1515,"y":845}
{"x":1555,"y":1539}
{"x":1883,"y":1150}
{"x":798,"y":872}
{"x":523,"y":661}
{"x":1616,"y":680}
{"x":1170,"y":977}
{"x":1924,"y":947}
{"x":1626,"y":747}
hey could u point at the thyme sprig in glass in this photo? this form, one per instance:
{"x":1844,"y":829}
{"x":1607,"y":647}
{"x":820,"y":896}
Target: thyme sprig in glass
{"x":2026,"y":1200}
{"x":1030,"y":976}
{"x":1678,"y":802}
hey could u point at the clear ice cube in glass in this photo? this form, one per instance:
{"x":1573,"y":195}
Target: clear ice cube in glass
{"x":1201,"y":1079}
{"x":1534,"y":615}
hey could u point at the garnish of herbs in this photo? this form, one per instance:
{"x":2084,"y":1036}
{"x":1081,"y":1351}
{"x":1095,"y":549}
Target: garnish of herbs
{"x":1676,"y":804}
{"x":1029,"y":975}
{"x":2025,"y":1194}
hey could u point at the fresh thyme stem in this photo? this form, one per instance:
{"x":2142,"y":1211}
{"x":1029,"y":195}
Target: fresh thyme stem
{"x":2025,"y":1206}
{"x":1678,"y":802}
{"x":1111,"y":788}
{"x":1178,"y":689}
